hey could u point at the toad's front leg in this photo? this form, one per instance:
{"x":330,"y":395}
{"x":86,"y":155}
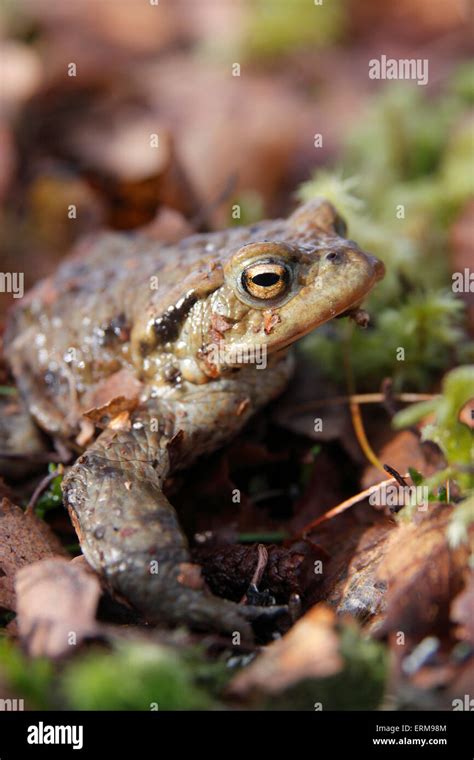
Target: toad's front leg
{"x":128,"y":530}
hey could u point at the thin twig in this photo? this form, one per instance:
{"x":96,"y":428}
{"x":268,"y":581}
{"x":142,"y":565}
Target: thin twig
{"x":342,"y":507}
{"x":42,"y":486}
{"x":356,"y":416}
{"x":395,"y":474}
{"x":259,"y":570}
{"x":362,"y":398}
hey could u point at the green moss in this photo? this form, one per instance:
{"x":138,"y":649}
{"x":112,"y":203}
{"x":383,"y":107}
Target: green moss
{"x":52,"y":497}
{"x":277,"y":28}
{"x":29,"y":679}
{"x":408,"y":343}
{"x":458,"y":528}
{"x":454,"y":438}
{"x":136,"y":676}
{"x":463,"y":82}
{"x":423,"y":162}
{"x":456,"y":441}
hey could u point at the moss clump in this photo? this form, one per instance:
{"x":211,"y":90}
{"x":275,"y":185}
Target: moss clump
{"x":277,"y":28}
{"x":456,"y":441}
{"x":25,"y":678}
{"x":399,"y":205}
{"x":136,"y":676}
{"x":52,"y":497}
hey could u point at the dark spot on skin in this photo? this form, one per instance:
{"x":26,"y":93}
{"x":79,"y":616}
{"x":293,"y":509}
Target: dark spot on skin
{"x":118,"y":330}
{"x":99,"y":532}
{"x":50,"y":378}
{"x":144,"y":347}
{"x":172,"y":374}
{"x":108,"y":470}
{"x":167,"y":326}
{"x":95,"y":462}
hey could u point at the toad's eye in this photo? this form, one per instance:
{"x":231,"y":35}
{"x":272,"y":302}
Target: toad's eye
{"x":266,"y":280}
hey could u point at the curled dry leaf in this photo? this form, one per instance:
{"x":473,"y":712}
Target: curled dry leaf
{"x":24,"y":539}
{"x":116,"y":393}
{"x":116,"y":414}
{"x":111,"y":402}
{"x":309,"y":650}
{"x":350,"y":583}
{"x":56,"y":606}
{"x":423,"y":574}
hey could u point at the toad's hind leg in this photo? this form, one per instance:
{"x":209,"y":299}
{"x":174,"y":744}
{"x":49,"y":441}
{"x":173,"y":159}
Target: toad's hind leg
{"x":129,"y":532}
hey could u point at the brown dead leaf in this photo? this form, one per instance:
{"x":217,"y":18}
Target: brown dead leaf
{"x":462,"y":611}
{"x":121,"y":421}
{"x":115,"y":415}
{"x":24,"y":539}
{"x":117,"y":393}
{"x":350,"y":584}
{"x":404,"y":450}
{"x":86,"y":433}
{"x":56,"y":606}
{"x":355,"y":543}
{"x":422,"y":574}
{"x":309,"y":650}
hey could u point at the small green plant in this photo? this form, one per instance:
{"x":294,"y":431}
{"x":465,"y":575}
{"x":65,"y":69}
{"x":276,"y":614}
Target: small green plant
{"x":52,"y":497}
{"x":456,"y":441}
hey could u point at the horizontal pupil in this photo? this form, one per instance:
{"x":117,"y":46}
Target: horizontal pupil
{"x":266,"y":279}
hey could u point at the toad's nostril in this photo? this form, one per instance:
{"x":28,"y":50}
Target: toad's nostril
{"x":379,"y":267}
{"x":334,"y":256}
{"x":380,"y":270}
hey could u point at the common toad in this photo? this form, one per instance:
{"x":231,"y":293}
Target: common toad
{"x":180,"y":344}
